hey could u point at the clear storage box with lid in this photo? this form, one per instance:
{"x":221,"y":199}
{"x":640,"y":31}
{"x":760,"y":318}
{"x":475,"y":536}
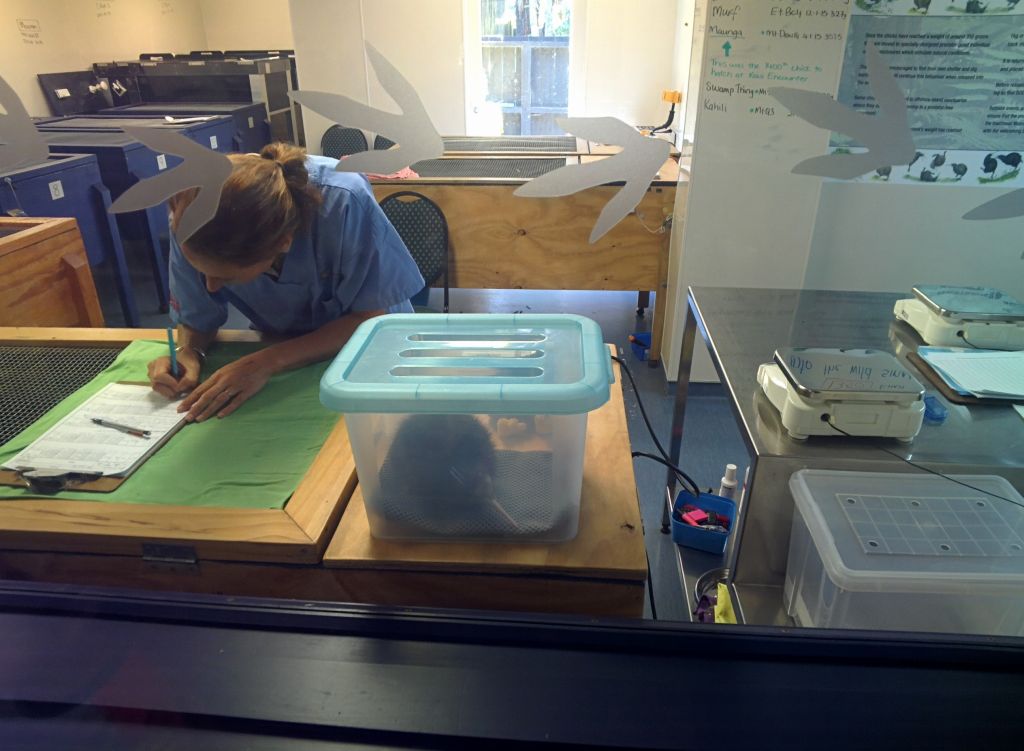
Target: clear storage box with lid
{"x":470,"y":427}
{"x":906,"y":552}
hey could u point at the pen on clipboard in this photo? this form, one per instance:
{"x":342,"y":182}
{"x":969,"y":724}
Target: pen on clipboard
{"x":174,"y":354}
{"x":137,"y":432}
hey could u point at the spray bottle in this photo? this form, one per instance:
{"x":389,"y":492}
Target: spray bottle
{"x":728,"y":487}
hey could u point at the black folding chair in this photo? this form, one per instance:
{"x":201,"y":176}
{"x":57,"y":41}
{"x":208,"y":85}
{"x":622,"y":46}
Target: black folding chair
{"x":339,"y":141}
{"x":424,"y":230}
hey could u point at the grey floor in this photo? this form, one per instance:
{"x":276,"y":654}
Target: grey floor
{"x":711,"y":439}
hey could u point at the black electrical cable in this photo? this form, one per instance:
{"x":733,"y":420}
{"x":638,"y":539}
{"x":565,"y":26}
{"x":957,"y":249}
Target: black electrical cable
{"x":643,"y":412}
{"x":684,"y":479}
{"x":650,"y":587}
{"x":963,"y":338}
{"x":663,"y":459}
{"x":915,"y":465}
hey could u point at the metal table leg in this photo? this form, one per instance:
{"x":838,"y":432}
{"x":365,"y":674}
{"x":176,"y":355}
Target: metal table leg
{"x":679,"y":409}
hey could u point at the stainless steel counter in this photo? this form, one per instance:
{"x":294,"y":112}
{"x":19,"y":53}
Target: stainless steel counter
{"x":742,"y":328}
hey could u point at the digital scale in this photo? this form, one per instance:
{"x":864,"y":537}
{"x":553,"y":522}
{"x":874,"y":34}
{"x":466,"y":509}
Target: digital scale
{"x":979,"y":317}
{"x":862,"y":392}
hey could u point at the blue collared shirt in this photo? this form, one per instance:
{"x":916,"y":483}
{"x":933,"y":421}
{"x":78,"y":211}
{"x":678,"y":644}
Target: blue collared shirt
{"x":349,"y":260}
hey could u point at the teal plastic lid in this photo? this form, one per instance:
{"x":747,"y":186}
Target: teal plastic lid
{"x":470,"y":363}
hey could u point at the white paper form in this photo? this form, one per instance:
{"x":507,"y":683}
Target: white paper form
{"x":76,"y":444}
{"x":983,"y":373}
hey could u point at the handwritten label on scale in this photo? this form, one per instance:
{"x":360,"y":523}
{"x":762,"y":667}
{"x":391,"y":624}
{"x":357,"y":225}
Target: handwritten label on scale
{"x":850,"y":370}
{"x":753,"y":46}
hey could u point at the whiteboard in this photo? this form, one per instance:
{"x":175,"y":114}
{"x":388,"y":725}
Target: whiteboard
{"x":751,"y":223}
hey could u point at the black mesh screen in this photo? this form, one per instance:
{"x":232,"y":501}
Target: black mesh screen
{"x":34,"y":379}
{"x":508,"y":168}
{"x":565,"y":144}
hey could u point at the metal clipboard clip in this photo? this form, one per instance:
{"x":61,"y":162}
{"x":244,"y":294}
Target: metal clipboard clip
{"x":52,"y":481}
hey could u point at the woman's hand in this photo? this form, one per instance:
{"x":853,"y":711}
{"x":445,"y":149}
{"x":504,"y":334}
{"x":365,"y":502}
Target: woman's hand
{"x":165,"y":383}
{"x":228,"y":388}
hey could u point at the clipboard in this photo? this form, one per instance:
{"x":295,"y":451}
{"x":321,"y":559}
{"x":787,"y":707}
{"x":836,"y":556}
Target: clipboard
{"x":944,"y":388}
{"x":47,"y":481}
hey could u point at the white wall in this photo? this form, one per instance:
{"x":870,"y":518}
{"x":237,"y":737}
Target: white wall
{"x":339,"y":67}
{"x":75,"y":34}
{"x":699,"y":24}
{"x":882,"y":238}
{"x":247,"y":24}
{"x":682,"y":49}
{"x":423,"y":40}
{"x":681,"y":79}
{"x":627,"y":59}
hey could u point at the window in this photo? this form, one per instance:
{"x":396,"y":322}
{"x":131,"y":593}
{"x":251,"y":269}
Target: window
{"x":525,"y":57}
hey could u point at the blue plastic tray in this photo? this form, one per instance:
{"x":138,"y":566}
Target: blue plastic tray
{"x":709,"y":541}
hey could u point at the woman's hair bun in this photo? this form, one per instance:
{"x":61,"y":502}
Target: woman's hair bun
{"x":265,"y":201}
{"x":292,"y":160}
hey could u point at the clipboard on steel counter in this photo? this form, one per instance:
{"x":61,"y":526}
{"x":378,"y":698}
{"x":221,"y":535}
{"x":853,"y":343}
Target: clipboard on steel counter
{"x":99,"y":444}
{"x":949,"y":387}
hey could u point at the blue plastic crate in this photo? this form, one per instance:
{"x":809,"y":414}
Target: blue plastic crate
{"x":553,"y":364}
{"x":470,"y":426}
{"x":707,"y":540}
{"x":252,"y":125}
{"x":124,"y":161}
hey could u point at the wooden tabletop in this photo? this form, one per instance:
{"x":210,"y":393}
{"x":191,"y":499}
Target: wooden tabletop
{"x":39,"y":336}
{"x":610,"y":542}
{"x":295,"y":534}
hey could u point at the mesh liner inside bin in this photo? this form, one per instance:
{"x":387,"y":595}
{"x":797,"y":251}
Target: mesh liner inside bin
{"x":522,"y":506}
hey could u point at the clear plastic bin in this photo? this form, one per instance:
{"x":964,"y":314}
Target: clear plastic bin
{"x":470,"y":427}
{"x":909,"y":552}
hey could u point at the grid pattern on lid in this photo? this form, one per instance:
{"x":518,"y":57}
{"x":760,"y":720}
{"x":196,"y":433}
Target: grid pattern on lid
{"x":932,"y":526}
{"x":35,"y":379}
{"x":550,"y":143}
{"x":496,"y":168}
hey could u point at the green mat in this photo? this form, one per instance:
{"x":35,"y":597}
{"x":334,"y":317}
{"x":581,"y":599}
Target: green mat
{"x":253,"y":459}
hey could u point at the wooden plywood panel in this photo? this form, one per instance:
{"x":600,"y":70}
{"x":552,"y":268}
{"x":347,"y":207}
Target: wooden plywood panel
{"x":500,"y":241}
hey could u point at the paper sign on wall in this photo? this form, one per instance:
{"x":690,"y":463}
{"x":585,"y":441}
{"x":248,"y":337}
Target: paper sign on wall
{"x":960,"y":68}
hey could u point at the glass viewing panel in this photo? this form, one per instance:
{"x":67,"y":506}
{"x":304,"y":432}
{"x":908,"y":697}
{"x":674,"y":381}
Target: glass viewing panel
{"x":840,"y":257}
